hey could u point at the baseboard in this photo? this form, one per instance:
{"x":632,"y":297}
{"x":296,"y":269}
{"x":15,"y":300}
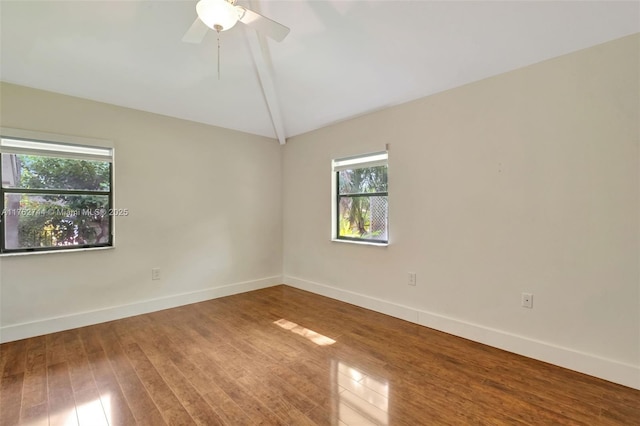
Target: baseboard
{"x":52,"y":325}
{"x":607,"y":369}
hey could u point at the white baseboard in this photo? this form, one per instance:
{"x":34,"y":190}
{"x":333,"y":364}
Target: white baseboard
{"x":607,"y":369}
{"x":10,"y":333}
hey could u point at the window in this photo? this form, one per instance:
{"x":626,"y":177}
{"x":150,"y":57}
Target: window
{"x":56,"y":196}
{"x":361,"y":204}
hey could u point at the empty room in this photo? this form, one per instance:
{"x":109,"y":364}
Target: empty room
{"x":319,"y":212}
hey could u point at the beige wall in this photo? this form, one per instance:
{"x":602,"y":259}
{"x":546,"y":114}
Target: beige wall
{"x":204,"y":205}
{"x":524,"y":182}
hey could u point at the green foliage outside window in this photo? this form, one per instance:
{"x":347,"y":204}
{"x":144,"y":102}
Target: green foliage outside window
{"x":362,"y":203}
{"x":72,"y":208}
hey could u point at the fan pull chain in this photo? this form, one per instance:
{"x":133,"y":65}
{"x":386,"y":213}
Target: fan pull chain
{"x":218,"y":28}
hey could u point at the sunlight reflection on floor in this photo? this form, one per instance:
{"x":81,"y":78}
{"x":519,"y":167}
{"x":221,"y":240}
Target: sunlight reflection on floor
{"x":96,"y":412}
{"x":316,"y":338}
{"x":361,"y":399}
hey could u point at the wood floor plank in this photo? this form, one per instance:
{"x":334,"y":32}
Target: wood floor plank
{"x":114,"y":404}
{"x":194,"y":402}
{"x":248,"y":369}
{"x":170,"y":406}
{"x":10,"y":398}
{"x":62,"y":405}
{"x":142,"y":406}
{"x":79,"y":369}
{"x":14,"y":357}
{"x":56,"y":353}
{"x":34,"y":406}
{"x":228,"y":410}
{"x":253,"y":408}
{"x":264,"y":357}
{"x":37,"y":415}
{"x":89,"y":407}
{"x":287,"y":396}
{"x":256,"y":410}
{"x":206,"y":402}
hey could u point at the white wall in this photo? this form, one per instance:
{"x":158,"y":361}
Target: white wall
{"x":527,"y":181}
{"x":204,"y":203}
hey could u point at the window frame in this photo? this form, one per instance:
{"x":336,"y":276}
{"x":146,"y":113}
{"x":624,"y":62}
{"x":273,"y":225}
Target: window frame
{"x":362,"y":161}
{"x":76,"y":148}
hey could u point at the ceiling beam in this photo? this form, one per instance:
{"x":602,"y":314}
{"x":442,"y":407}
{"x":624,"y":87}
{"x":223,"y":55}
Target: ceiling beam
{"x":264,"y":67}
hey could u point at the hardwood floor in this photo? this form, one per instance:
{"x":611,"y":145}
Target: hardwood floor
{"x":285,"y":356}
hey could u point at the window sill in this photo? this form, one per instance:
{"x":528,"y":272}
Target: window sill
{"x":362,"y":243}
{"x":31,"y":253}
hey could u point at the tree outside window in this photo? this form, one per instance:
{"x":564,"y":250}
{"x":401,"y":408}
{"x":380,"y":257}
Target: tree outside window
{"x":362,"y":198}
{"x":54,"y":202}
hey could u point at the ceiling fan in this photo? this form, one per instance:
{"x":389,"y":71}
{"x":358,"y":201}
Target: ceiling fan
{"x":221,"y":15}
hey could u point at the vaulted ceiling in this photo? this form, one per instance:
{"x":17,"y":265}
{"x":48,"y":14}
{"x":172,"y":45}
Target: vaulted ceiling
{"x":340,"y":60}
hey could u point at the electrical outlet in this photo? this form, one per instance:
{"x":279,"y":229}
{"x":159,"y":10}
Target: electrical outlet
{"x":527,"y":300}
{"x":412,"y":278}
{"x":155,"y":273}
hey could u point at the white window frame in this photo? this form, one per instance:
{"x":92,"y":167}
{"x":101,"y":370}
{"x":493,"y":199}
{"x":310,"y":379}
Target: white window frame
{"x":20,"y":141}
{"x":373,"y":159}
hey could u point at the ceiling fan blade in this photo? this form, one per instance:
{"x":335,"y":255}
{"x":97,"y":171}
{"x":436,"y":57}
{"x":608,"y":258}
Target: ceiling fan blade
{"x":263,"y":24}
{"x":196,"y":32}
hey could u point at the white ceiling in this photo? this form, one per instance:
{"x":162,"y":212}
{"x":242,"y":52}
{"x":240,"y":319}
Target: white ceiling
{"x":341,"y":59}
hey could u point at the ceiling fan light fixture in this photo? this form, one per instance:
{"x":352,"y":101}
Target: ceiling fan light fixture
{"x":217,"y":14}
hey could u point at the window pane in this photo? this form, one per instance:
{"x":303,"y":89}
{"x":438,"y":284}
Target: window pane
{"x":44,"y":220}
{"x":359,"y":181}
{"x":363,"y":217}
{"x":40,"y":172}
